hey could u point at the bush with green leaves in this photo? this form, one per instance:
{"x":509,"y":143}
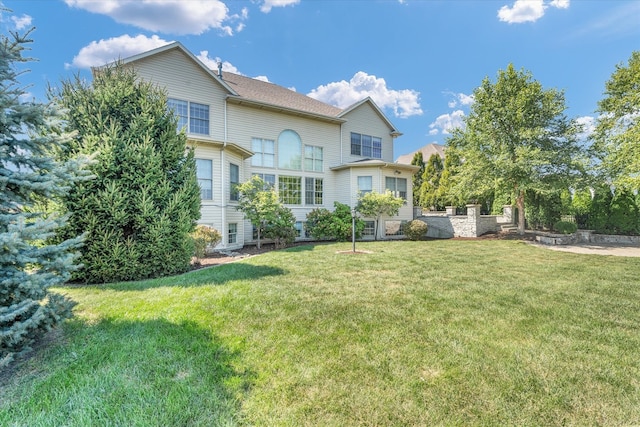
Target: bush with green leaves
{"x":415,"y":230}
{"x":32,"y":260}
{"x":204,"y":237}
{"x":565,"y":227}
{"x":281,"y":227}
{"x":140,"y":210}
{"x":337,"y":225}
{"x":543,"y":210}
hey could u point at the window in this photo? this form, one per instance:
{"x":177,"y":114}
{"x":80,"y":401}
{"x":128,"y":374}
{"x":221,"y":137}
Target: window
{"x":289,"y":150}
{"x":312,"y":158}
{"x":232,"y":235}
{"x":264,"y":152}
{"x":204,"y":173}
{"x":268,"y":178}
{"x":191,"y":113}
{"x":369,"y":228}
{"x":366,"y":145}
{"x":289,"y":190}
{"x":234,"y":181}
{"x":180,"y":110}
{"x":397,"y":185}
{"x":299,"y":226}
{"x":313,"y":191}
{"x":364,"y":184}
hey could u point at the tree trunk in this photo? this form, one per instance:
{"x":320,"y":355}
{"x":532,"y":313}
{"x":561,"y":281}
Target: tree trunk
{"x":520,"y":205}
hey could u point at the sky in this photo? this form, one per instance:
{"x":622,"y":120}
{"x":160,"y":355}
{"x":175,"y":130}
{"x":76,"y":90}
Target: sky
{"x":419,"y":60}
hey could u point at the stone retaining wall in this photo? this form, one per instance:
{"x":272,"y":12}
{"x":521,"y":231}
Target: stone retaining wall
{"x":444,"y":225}
{"x":586,"y":236}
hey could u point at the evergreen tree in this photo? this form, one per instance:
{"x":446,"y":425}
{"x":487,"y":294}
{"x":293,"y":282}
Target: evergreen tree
{"x":30,"y":263}
{"x":418,"y":160}
{"x":429,"y":192}
{"x":141,"y":208}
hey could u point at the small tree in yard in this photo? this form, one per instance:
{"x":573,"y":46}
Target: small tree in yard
{"x":374,"y":205}
{"x":30,"y":261}
{"x":261,"y":206}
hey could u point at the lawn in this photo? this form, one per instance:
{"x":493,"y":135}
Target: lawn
{"x":448,"y":332}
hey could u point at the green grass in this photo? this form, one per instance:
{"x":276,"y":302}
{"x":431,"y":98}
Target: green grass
{"x":414,"y":333}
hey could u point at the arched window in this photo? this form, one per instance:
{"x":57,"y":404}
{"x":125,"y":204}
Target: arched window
{"x":289,"y":150}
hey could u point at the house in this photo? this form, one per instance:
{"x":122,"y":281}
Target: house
{"x":427,"y":151}
{"x":313,"y":153}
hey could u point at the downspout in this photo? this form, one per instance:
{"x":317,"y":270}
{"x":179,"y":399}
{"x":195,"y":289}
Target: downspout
{"x":341,"y":146}
{"x":225,"y":229}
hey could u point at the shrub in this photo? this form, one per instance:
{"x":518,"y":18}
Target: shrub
{"x":338,"y":225}
{"x":415,"y":230}
{"x":281,"y":227}
{"x":565,"y":227}
{"x":203,"y":237}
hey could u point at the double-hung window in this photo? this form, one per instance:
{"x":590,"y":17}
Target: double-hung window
{"x":313,"y":191}
{"x":192,"y":116}
{"x":313,"y":158}
{"x":366,"y":145}
{"x":264,"y":152}
{"x":204,"y":173}
{"x":397,"y":185}
{"x":234,"y":181}
{"x":365,"y":184}
{"x":232,"y":235}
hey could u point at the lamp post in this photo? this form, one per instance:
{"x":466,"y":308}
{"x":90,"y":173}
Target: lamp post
{"x":353,"y":228}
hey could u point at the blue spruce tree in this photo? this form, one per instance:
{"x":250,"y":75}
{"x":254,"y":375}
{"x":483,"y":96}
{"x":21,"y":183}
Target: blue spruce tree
{"x":30,"y":261}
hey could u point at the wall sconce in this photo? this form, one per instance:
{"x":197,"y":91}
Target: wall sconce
{"x":397,"y":172}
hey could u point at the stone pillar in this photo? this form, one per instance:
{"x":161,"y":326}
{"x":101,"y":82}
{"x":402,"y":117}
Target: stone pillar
{"x":451,"y":210}
{"x":473,"y":220}
{"x":417,"y":212}
{"x":507,"y":214}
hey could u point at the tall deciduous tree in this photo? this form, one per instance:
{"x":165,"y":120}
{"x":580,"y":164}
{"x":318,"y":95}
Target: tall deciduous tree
{"x":417,"y":160}
{"x":374,"y":205}
{"x":141,"y":208}
{"x":516,"y":138}
{"x":617,"y":135}
{"x":30,"y":263}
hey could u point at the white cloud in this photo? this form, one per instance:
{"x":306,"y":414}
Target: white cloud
{"x":167,"y":16}
{"x":21,"y":22}
{"x":588,"y":124}
{"x":105,"y":51}
{"x":460,"y":99}
{"x":404,"y":103}
{"x":212,"y":63}
{"x":528,"y":10}
{"x":445,"y":123}
{"x":267,"y":5}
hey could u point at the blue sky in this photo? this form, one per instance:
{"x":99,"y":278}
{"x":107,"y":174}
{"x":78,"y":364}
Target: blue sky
{"x":419,"y":60}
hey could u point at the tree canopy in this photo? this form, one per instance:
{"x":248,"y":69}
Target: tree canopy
{"x":617,"y":134}
{"x":516,"y":138}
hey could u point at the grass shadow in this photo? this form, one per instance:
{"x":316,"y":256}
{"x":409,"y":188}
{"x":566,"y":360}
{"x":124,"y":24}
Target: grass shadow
{"x":116,"y":372}
{"x":237,"y":271}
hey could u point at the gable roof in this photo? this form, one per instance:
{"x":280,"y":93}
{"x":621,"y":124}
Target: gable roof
{"x":266,"y":95}
{"x":427,"y":151}
{"x":165,"y":48}
{"x":377,"y":109}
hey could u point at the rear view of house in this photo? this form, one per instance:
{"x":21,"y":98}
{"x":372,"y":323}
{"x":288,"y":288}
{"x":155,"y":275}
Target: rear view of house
{"x":313,"y":153}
